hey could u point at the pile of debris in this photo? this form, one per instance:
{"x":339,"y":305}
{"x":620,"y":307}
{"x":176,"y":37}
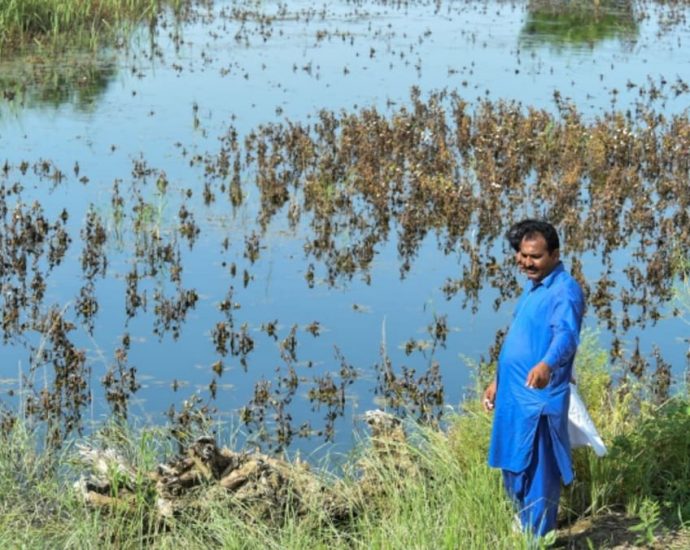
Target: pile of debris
{"x":263,"y":486}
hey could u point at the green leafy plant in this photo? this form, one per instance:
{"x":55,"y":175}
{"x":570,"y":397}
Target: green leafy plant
{"x":650,"y":520}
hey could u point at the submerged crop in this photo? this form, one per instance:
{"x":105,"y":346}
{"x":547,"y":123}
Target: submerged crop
{"x":348,"y":184}
{"x":243,"y":257}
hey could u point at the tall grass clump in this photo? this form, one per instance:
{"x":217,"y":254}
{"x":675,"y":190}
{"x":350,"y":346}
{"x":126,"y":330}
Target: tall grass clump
{"x":452,"y":500}
{"x":62,"y":22}
{"x":647,"y":432}
{"x":40,"y":506}
{"x":31,"y":498}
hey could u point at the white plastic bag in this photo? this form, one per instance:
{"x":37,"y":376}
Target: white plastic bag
{"x":581,"y":429}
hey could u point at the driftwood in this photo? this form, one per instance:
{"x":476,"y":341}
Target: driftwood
{"x":263,"y":486}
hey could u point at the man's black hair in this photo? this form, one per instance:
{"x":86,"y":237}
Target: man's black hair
{"x":528,"y":228}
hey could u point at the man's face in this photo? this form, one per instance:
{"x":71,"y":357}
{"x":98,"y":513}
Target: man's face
{"x":534,"y":259}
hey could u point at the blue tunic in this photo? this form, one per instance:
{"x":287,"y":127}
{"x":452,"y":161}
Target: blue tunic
{"x":546,"y":327}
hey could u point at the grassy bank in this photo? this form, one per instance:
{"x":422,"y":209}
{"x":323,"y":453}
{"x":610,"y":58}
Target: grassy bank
{"x":65,"y":22}
{"x":451,"y":500}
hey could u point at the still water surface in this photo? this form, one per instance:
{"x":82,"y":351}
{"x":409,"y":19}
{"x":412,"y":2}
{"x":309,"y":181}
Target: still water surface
{"x":165,"y":105}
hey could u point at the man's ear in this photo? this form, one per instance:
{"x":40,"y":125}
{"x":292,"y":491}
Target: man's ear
{"x":556,"y":254}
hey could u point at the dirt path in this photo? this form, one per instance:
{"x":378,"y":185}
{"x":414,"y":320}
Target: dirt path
{"x":613,"y":531}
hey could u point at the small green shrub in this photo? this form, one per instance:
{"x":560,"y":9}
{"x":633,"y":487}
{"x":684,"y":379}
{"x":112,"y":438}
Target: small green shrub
{"x":648,"y":444}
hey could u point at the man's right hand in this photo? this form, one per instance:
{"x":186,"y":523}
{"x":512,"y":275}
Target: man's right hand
{"x":489,"y":397}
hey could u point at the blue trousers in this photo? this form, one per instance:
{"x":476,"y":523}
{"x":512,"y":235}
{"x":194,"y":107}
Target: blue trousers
{"x":535,"y":491}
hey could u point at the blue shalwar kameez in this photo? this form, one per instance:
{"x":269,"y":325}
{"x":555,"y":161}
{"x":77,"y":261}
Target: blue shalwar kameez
{"x":529,"y":441}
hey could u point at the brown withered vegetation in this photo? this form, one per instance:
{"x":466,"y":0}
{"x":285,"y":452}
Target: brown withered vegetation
{"x":259,"y":486}
{"x":438,"y":168}
{"x":466,"y":172}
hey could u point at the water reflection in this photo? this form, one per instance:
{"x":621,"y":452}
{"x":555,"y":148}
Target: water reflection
{"x":578,"y":24}
{"x":77,"y":80}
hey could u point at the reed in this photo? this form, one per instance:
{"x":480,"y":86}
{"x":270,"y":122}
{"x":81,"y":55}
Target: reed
{"x":64,"y":22}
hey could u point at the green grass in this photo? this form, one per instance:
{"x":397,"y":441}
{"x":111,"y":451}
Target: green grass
{"x":450,"y":500}
{"x":64,"y":51}
{"x":63,"y":22}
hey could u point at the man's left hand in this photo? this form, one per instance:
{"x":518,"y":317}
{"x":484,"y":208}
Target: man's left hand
{"x":539,"y":376}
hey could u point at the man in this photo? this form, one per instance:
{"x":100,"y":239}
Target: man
{"x":531,"y":393}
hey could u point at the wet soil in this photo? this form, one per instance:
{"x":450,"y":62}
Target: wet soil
{"x":612,"y":531}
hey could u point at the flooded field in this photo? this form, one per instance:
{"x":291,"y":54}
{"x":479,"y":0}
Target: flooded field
{"x":280,"y":215}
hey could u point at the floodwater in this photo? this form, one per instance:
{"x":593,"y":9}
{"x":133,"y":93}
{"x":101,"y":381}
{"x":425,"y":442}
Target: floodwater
{"x":184,"y":226}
